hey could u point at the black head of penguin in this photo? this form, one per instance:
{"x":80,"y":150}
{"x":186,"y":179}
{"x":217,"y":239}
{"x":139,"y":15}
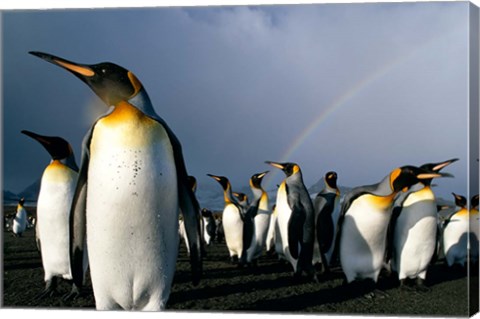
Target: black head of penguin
{"x":241,"y":197}
{"x":406,"y":176}
{"x":222,"y":180}
{"x":474,"y":202}
{"x":111,"y":82}
{"x":21,"y":201}
{"x":207,"y":213}
{"x":435,"y":167}
{"x":460,"y":200}
{"x":57,"y":147}
{"x":331,"y":179}
{"x":256,"y":179}
{"x":288,"y":168}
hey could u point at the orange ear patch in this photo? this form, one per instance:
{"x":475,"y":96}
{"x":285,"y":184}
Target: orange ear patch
{"x":394,"y":175}
{"x":137,"y":85}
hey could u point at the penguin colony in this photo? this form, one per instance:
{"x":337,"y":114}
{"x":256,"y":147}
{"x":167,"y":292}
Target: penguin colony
{"x":132,"y":163}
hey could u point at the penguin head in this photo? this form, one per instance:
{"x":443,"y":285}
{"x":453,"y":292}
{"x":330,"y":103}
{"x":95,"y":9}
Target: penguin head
{"x":222,"y":180}
{"x":474,"y":202}
{"x":21,"y":201}
{"x":112,"y":83}
{"x":206,"y":213}
{"x":57,"y":147}
{"x":404,"y":177}
{"x":331,"y":179}
{"x":435,"y":167}
{"x":241,"y":197}
{"x":256,"y":179}
{"x":460,"y":200}
{"x":288,"y":168}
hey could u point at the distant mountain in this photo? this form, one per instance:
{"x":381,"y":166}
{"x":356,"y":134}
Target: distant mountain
{"x":31,"y":192}
{"x":9,"y":196}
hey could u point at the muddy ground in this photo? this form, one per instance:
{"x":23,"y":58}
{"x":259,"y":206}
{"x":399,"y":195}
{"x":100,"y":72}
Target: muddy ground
{"x":269,"y":287}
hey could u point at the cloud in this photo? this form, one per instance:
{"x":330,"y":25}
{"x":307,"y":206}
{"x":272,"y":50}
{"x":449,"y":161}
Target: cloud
{"x":239,"y":85}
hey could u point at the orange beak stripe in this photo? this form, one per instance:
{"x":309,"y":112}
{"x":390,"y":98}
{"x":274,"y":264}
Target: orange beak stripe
{"x":76,"y":68}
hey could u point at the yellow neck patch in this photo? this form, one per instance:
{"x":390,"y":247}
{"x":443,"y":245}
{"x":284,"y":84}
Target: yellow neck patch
{"x":421,"y":195}
{"x":462,"y":212}
{"x":381,"y":202}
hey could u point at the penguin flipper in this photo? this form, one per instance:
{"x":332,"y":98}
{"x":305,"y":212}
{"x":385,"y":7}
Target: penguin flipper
{"x":78,"y":216}
{"x":391,"y":231}
{"x":249,"y":226}
{"x":189,"y":207}
{"x":295,"y":230}
{"x":324,"y":227}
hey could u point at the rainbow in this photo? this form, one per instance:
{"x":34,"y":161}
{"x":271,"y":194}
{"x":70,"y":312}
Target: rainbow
{"x":343,"y":99}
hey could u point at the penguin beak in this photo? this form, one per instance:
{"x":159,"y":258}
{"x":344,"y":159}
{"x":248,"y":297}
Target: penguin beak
{"x":79,"y":70}
{"x":39,"y":138}
{"x":47,"y":142}
{"x":274,"y":164}
{"x":440,"y":166}
{"x":214,"y":177}
{"x":262,"y":175}
{"x":433,"y":175}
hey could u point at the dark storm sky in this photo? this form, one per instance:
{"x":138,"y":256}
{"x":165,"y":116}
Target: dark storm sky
{"x":356,"y":88}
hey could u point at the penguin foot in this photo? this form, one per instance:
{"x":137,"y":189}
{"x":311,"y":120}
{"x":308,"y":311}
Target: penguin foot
{"x":72,"y":295}
{"x":420,"y":285}
{"x":234,"y":260}
{"x":47,"y":293}
{"x":50,"y":289}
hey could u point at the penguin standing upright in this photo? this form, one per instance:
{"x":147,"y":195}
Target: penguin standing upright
{"x":414,"y":229}
{"x":20,"y":219}
{"x":365,"y":215}
{"x":134,"y":177}
{"x":261,"y":217}
{"x":295,"y":219}
{"x":209,"y":226}
{"x":327,"y":213}
{"x":233,"y":221}
{"x":456,"y":233}
{"x":57,"y":189}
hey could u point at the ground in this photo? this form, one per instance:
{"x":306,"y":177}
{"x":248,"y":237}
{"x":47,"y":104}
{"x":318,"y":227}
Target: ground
{"x":269,"y":287}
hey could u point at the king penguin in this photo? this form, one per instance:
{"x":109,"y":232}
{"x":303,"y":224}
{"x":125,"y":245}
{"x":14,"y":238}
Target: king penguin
{"x":295,"y":219}
{"x":209,"y":226}
{"x":258,"y":210}
{"x":365,"y":215}
{"x":456,"y":233}
{"x":414,"y":229}
{"x":132,"y":184}
{"x":57,"y":189}
{"x":327,"y":213}
{"x":20,"y":219}
{"x":233,"y":217}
